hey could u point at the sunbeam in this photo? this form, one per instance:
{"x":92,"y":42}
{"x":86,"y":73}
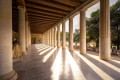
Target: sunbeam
{"x":57,"y":66}
{"x":45,"y":58}
{"x":45,"y":51}
{"x":104,"y":62}
{"x":116,"y":61}
{"x":77,"y":73}
{"x":43,"y":48}
{"x":101,"y":73}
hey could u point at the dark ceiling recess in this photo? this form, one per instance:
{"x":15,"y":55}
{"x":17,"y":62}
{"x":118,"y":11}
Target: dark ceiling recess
{"x":42,"y":14}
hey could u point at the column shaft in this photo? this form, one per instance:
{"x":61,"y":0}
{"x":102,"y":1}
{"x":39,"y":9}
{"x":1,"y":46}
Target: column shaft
{"x":63,"y":36}
{"x":6,"y":63}
{"x":50,"y":37}
{"x":26,"y":33}
{"x":70,"y":33}
{"x":58,"y":36}
{"x":82,"y":32}
{"x":104,"y":36}
{"x":21,"y":28}
{"x":55,"y":36}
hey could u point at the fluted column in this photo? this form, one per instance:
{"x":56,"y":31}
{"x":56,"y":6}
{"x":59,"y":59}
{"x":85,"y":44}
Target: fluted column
{"x":26,"y":34}
{"x":6,"y":63}
{"x":43,"y":38}
{"x":82,"y":32}
{"x":55,"y":37}
{"x":58,"y":36}
{"x":71,"y":34}
{"x":63,"y":35}
{"x":29,"y":33}
{"x":104,"y":36}
{"x":21,"y":29}
{"x":50,"y":37}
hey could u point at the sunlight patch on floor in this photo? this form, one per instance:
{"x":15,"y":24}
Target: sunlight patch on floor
{"x":77,"y":73}
{"x":41,"y":53}
{"x":57,"y":66}
{"x":45,"y":58}
{"x":106,"y":63}
{"x":43,"y":48}
{"x":101,"y":73}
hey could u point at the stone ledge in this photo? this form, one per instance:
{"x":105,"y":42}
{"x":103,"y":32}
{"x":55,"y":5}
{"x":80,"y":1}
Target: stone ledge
{"x":9,"y":76}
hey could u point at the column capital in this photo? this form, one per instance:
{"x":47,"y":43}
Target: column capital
{"x":82,"y":10}
{"x":20,"y":7}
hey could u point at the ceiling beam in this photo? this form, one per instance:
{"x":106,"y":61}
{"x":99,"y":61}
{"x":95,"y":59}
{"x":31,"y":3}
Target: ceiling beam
{"x":40,"y":14}
{"x":44,"y":7}
{"x":43,"y":12}
{"x":69,"y":2}
{"x":41,"y":17}
{"x":52,"y":5}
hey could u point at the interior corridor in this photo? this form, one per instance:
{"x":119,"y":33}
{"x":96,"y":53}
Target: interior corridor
{"x":51,"y":63}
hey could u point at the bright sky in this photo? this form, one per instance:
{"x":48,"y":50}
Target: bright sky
{"x":88,"y":15}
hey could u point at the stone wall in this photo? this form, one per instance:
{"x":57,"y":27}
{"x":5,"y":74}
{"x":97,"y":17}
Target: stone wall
{"x":36,"y":38}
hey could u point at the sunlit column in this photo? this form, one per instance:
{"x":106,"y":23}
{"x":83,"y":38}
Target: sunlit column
{"x":21,"y":28}
{"x":63,"y":35}
{"x":71,"y":33}
{"x":55,"y":36}
{"x":47,"y":38}
{"x":6,"y":63}
{"x":82,"y":32}
{"x":43,"y":38}
{"x":58,"y":36}
{"x":50,"y":36}
{"x":104,"y":36}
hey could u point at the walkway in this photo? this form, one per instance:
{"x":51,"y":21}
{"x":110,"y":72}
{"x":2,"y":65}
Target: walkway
{"x":49,"y":63}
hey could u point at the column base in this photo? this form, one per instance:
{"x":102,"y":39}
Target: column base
{"x":24,"y":53}
{"x":9,"y":76}
{"x":104,"y":49}
{"x":18,"y":59}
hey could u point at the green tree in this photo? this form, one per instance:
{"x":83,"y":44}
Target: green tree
{"x":76,"y":36}
{"x":93,"y":28}
{"x":115,"y":23}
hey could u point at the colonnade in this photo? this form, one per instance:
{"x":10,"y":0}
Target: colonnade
{"x":104,"y":27}
{"x":49,"y":37}
{"x":24,"y":34}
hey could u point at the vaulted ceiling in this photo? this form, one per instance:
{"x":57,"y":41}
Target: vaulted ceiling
{"x":43,"y":14}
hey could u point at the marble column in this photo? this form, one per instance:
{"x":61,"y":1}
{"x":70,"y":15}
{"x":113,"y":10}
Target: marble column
{"x":42,"y":38}
{"x":104,"y":29}
{"x":82,"y":32}
{"x":26,"y":34}
{"x":6,"y":63}
{"x":71,"y":34}
{"x":50,"y":37}
{"x":21,"y":28}
{"x":55,"y":37}
{"x":58,"y":36}
{"x":63,"y":35}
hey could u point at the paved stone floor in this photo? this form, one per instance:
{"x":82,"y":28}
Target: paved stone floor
{"x":50,"y":63}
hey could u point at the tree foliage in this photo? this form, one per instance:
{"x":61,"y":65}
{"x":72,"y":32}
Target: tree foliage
{"x":93,"y":28}
{"x":76,"y":35}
